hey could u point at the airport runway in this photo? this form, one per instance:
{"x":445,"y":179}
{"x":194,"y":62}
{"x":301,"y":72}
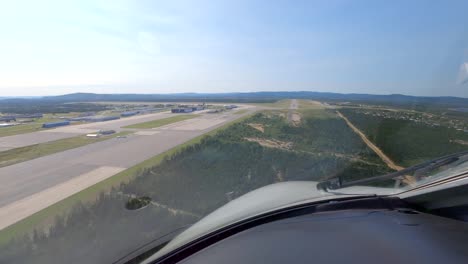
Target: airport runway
{"x":32,"y":138}
{"x":22,"y":140}
{"x":30,"y":186}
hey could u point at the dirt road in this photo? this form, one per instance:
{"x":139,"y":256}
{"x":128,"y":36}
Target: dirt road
{"x":371,"y":145}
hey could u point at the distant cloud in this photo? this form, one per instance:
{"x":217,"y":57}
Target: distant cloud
{"x":463,"y":75}
{"x":149,"y":43}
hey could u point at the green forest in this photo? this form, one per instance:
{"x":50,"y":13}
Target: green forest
{"x":197,"y":180}
{"x":405,"y":141}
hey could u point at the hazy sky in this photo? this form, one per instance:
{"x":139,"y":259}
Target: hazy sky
{"x":117,"y":46}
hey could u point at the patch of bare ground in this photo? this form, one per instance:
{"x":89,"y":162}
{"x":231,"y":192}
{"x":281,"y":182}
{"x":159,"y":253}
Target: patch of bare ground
{"x":340,"y":155}
{"x":295,"y":119}
{"x":259,"y":127}
{"x":271,"y":143}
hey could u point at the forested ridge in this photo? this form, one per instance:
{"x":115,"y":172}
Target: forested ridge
{"x":46,"y":107}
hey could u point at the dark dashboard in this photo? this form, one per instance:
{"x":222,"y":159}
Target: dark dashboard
{"x":368,"y":230}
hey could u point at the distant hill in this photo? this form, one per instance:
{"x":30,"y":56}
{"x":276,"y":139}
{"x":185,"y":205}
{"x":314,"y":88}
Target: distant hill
{"x":19,"y":97}
{"x":394,"y":99}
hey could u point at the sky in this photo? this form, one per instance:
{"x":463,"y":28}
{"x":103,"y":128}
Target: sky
{"x":54,"y":47}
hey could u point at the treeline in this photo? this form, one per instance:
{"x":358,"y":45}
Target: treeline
{"x":405,"y":141}
{"x":31,"y":106}
{"x":193,"y":183}
{"x":395,"y":99}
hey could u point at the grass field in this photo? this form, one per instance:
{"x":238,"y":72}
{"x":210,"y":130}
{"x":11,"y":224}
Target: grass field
{"x":285,"y":103}
{"x":278,"y":104}
{"x":48,"y":214}
{"x":317,"y":113}
{"x":22,"y":154}
{"x":309,"y":104}
{"x":240,"y":112}
{"x":20,"y":129}
{"x":162,"y":122}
